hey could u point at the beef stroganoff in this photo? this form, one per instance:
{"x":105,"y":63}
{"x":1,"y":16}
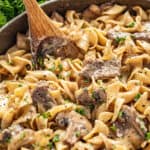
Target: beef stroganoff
{"x":96,"y":97}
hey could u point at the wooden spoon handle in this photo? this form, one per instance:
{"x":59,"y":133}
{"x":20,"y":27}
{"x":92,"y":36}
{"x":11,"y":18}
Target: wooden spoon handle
{"x":40,"y":24}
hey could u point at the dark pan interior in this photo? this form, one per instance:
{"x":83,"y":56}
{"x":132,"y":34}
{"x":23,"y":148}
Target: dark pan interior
{"x":19,"y":24}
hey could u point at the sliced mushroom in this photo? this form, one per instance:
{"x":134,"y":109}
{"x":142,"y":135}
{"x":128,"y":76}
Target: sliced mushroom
{"x":129,"y":127}
{"x":77,"y":126}
{"x":142,"y":36}
{"x":42,"y":99}
{"x":7,"y":134}
{"x":101,"y":69}
{"x":98,"y":96}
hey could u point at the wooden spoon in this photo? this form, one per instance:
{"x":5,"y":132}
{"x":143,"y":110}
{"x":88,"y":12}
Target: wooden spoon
{"x":46,"y":38}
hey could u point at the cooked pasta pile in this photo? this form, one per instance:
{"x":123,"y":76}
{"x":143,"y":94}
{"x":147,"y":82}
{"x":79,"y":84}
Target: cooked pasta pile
{"x":99,"y":100}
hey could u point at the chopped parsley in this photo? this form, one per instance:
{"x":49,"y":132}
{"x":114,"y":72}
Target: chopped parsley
{"x":60,"y":66}
{"x":120,"y":114}
{"x":78,"y":133}
{"x":137,"y":96}
{"x":45,"y":115}
{"x":120,"y":40}
{"x":50,"y":145}
{"x":147,"y":136}
{"x":130,"y":25}
{"x":81,"y":111}
{"x":55,"y":138}
{"x":113,"y":128}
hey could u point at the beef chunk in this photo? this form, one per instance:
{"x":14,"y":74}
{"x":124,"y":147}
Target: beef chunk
{"x":101,"y":69}
{"x":56,"y":46}
{"x":98,"y":96}
{"x":62,"y":120}
{"x":77,"y":126}
{"x":41,"y":98}
{"x":129,"y":127}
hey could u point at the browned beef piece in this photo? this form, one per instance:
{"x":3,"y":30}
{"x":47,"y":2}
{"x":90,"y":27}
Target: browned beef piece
{"x":56,"y":46}
{"x":128,"y":125}
{"x":41,"y":98}
{"x":98,"y":96}
{"x":101,"y":69}
{"x":57,"y":17}
{"x":77,"y":126}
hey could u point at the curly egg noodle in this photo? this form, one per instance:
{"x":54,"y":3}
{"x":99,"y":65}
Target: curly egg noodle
{"x":61,"y":118}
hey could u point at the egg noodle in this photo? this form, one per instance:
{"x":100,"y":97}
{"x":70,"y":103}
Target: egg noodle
{"x":61,"y":117}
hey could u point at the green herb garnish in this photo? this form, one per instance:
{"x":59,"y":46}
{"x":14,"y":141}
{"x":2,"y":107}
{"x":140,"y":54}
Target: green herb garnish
{"x":147,"y":136}
{"x":81,"y":111}
{"x":137,"y":96}
{"x":45,"y":115}
{"x":55,"y":138}
{"x":113,"y":128}
{"x":60,"y":66}
{"x":120,"y":114}
{"x":50,"y":145}
{"x":78,"y":133}
{"x":10,"y":9}
{"x":130,"y":25}
{"x":120,"y":40}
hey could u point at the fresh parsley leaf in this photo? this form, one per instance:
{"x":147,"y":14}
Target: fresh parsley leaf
{"x":50,"y":145}
{"x":137,"y":96}
{"x":55,"y":138}
{"x":3,"y":19}
{"x":113,"y":128}
{"x":120,"y":114}
{"x":147,"y":136}
{"x":10,"y":9}
{"x":60,"y":66}
{"x":120,"y":40}
{"x":81,"y":111}
{"x":45,"y":115}
{"x":77,"y":133}
{"x":130,"y":25}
